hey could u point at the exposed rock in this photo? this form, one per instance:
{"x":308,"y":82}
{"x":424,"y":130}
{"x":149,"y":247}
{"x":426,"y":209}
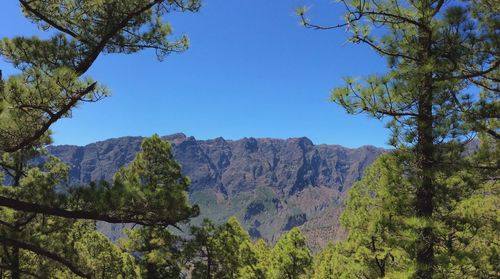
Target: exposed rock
{"x":253,"y":209}
{"x":277,"y":183}
{"x":254,"y":233}
{"x":295,"y":221}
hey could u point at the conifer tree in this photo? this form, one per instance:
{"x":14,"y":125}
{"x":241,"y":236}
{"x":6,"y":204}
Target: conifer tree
{"x":223,"y":251}
{"x":38,"y":211}
{"x":257,"y":262}
{"x":158,"y":252}
{"x":381,"y":226}
{"x":440,"y":89}
{"x":290,"y":256}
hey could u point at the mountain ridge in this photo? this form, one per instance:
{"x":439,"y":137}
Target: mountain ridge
{"x":183,"y":135}
{"x":270,"y":185}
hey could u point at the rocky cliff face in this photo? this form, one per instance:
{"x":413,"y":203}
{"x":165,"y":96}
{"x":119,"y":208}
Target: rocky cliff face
{"x":271,"y":185}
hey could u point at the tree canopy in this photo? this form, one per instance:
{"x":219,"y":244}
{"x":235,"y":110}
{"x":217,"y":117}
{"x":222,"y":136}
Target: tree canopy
{"x":47,"y":227}
{"x":440,"y":90}
{"x":427,"y":209}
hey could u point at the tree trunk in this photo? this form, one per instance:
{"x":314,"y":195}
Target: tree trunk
{"x":16,"y":274}
{"x":425,"y":193}
{"x":425,"y":154}
{"x":209,"y":265}
{"x":1,"y":81}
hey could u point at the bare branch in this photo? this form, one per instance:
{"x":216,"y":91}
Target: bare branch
{"x":307,"y":24}
{"x":438,"y":7}
{"x":392,"y":112}
{"x":381,"y":50}
{"x":483,"y":85}
{"x":400,"y":17}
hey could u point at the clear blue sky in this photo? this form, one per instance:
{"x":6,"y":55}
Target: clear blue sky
{"x":251,"y":71}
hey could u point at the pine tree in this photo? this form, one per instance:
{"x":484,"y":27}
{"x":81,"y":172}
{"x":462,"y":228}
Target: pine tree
{"x":440,"y":89}
{"x":157,"y":252}
{"x":37,"y":208}
{"x":151,"y":189}
{"x":257,"y":261}
{"x":290,"y":256}
{"x":381,"y":227}
{"x":223,"y":251}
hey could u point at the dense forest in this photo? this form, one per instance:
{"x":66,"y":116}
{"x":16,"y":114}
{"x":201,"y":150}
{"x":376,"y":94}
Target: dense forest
{"x":429,"y":208}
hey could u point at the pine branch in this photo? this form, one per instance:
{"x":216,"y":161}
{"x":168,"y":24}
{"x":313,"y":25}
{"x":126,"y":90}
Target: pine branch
{"x":391,"y":112}
{"x":475,"y":74}
{"x":381,"y":50}
{"x":80,"y":214}
{"x":22,"y":271}
{"x":55,"y":117}
{"x":94,"y":53}
{"x":52,"y":23}
{"x":40,"y":251}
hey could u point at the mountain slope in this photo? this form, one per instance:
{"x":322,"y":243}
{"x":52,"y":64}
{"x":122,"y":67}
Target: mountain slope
{"x":271,"y":185}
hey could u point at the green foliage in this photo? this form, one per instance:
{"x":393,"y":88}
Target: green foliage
{"x":335,"y":262}
{"x":382,"y":227}
{"x":220,"y":252}
{"x":153,"y":187}
{"x":102,"y":257}
{"x":258,"y":261}
{"x":150,"y":191}
{"x":226,"y":251}
{"x":157,"y":252}
{"x":50,"y":84}
{"x":428,"y":210}
{"x":79,"y":246}
{"x":440,"y":89}
{"x":290,"y":256}
{"x":42,"y":231}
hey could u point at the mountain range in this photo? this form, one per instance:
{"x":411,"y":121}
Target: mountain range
{"x":270,"y":185}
